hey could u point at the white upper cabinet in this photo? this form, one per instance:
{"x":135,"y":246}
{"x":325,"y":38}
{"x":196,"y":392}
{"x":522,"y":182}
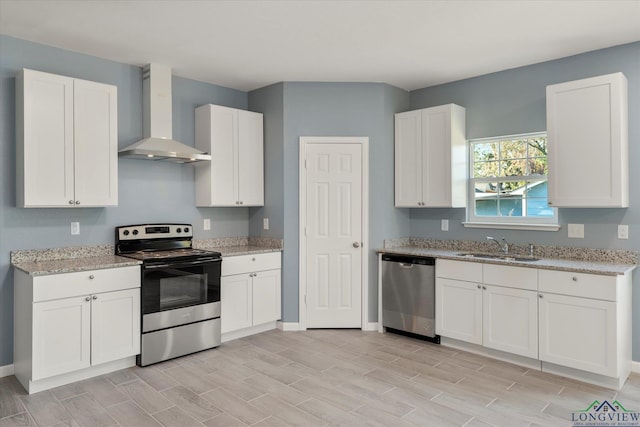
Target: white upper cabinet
{"x":587,"y":128}
{"x":66,"y":141}
{"x":235,"y":175}
{"x":431,"y":157}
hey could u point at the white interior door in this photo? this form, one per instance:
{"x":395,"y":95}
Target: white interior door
{"x":332,"y":252}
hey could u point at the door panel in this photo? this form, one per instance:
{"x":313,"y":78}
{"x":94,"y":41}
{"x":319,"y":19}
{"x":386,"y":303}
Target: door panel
{"x":334,"y":235}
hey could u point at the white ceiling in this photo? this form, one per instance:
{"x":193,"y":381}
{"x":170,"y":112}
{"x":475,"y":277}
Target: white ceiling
{"x":250,"y":44}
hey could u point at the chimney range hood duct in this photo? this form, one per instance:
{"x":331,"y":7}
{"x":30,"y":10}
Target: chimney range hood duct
{"x":156,"y":116}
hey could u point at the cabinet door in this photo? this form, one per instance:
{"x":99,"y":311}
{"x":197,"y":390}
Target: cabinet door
{"x":236,"y":302}
{"x":45,"y":140}
{"x":587,"y":125}
{"x":61,"y":336}
{"x":96,"y":144}
{"x":579,"y":333}
{"x":266,"y":296}
{"x":408,"y":159}
{"x":250,"y":159}
{"x":510,"y":320}
{"x":436,"y":156}
{"x":115,"y":325}
{"x":224,"y":152}
{"x":459,"y":310}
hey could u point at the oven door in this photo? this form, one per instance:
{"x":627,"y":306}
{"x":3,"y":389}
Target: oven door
{"x":172,"y":285}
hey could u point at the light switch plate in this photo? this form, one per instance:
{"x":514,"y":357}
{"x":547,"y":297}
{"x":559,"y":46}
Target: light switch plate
{"x":575,"y":231}
{"x":207,"y":224}
{"x":444,"y":225}
{"x":75,"y":228}
{"x":623,"y":232}
{"x":265,"y":223}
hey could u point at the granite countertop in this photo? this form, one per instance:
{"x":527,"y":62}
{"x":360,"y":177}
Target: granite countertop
{"x":609,"y":267}
{"x":42,"y":262}
{"x":47,"y":267}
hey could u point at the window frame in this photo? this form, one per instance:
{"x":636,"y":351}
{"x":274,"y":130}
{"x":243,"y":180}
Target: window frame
{"x":506,"y":222}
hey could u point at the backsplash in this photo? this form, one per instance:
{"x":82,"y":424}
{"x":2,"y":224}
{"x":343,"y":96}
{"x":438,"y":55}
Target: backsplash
{"x":540,"y":251}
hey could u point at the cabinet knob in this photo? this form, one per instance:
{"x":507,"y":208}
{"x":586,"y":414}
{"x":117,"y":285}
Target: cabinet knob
{"x":253,"y":259}
{"x":484,"y":288}
{"x":539,"y":295}
{"x":94,"y":297}
{"x":92,"y":277}
{"x":77,"y":202}
{"x":241,"y":202}
{"x":574,"y":278}
{"x":87,"y":299}
{"x":356,"y":244}
{"x":70,"y":202}
{"x":479,"y":287}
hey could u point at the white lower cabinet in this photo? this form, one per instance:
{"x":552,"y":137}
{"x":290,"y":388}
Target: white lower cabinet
{"x":250,"y":294}
{"x":459,"y":310}
{"x":572,"y":324}
{"x":75,"y":325}
{"x":510,"y":320}
{"x":498,"y":317}
{"x":579,"y":333}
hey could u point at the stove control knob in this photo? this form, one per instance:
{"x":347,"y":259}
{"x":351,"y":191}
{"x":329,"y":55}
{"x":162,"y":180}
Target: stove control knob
{"x":135,"y":232}
{"x":179,"y":230}
{"x":125,"y":232}
{"x":186,"y":229}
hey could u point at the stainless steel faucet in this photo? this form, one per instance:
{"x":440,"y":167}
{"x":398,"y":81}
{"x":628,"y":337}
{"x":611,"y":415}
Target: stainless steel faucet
{"x":504,"y":246}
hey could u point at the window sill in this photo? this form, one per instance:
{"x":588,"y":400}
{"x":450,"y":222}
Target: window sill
{"x":535,"y":227}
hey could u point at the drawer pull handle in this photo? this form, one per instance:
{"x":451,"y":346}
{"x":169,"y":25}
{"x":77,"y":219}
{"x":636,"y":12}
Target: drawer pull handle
{"x":92,"y":277}
{"x":574,"y":278}
{"x":87,"y":299}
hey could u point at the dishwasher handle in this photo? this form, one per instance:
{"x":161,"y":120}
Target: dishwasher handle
{"x":408,"y":259}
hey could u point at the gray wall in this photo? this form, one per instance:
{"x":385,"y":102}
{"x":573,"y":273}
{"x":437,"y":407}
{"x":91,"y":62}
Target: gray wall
{"x":148,"y":191}
{"x":513,"y":101}
{"x":270,"y":102}
{"x":341,"y":109}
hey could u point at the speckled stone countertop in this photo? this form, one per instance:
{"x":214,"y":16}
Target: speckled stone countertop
{"x":579,"y":260}
{"x":43,"y":262}
{"x":233,"y":246}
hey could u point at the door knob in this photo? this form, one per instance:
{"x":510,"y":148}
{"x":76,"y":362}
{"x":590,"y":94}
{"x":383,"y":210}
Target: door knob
{"x":356,"y":244}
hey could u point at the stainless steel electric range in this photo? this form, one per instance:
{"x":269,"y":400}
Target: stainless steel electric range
{"x":180,"y":290}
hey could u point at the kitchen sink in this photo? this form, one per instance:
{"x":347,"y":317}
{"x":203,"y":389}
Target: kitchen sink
{"x":502,"y":257}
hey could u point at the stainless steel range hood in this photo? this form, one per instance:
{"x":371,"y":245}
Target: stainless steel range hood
{"x":156,"y":116}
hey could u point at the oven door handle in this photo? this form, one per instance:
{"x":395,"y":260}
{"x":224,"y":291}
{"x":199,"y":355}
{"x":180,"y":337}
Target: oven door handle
{"x":183,"y":264}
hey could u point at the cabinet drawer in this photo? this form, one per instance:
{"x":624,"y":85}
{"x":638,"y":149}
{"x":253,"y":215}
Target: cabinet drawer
{"x":88,"y":282}
{"x":509,"y":276}
{"x":459,"y":270}
{"x":577,"y":284}
{"x":249,"y":263}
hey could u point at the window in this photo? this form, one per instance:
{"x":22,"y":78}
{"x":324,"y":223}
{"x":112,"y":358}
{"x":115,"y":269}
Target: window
{"x":508,"y":184}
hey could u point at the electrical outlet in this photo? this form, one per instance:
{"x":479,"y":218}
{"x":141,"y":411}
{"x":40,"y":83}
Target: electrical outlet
{"x":75,"y":228}
{"x":575,"y":231}
{"x":444,"y":225}
{"x":207,"y":224}
{"x":623,"y":232}
{"x":265,"y":223}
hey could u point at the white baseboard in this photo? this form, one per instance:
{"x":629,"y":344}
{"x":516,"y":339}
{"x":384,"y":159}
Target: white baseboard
{"x":288,"y":326}
{"x":6,"y":370}
{"x":635,"y":367}
{"x":371,"y":326}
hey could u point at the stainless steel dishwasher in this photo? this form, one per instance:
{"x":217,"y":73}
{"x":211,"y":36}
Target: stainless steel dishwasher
{"x":408,"y":295}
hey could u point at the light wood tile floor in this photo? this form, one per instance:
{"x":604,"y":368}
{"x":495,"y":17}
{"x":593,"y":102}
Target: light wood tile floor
{"x":314,"y":378}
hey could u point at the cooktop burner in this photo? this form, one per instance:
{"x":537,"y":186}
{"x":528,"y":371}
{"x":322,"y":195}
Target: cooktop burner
{"x":167,"y":254}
